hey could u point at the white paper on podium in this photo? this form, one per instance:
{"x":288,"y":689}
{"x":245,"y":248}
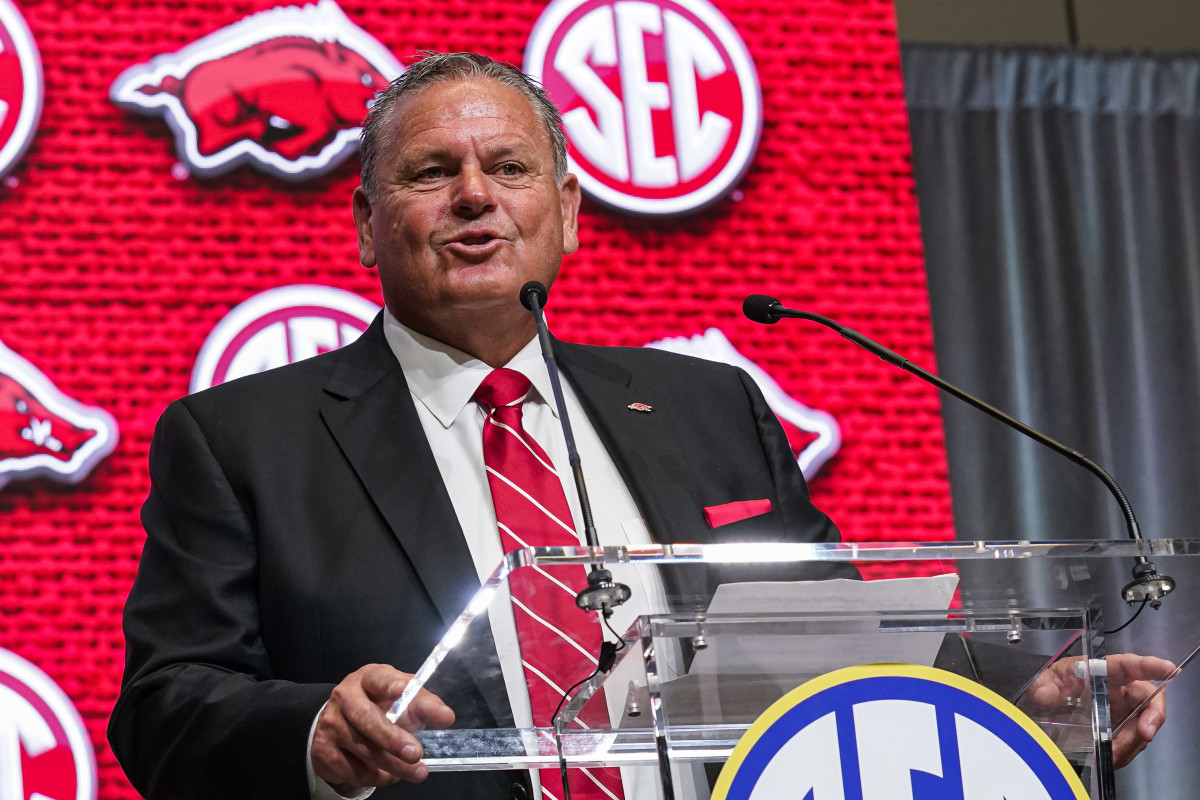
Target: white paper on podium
{"x":856,"y":642}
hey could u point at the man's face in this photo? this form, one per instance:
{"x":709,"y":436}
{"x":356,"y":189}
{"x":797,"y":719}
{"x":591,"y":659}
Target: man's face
{"x":468,"y":207}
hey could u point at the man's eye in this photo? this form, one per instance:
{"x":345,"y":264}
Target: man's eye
{"x":511,"y":170}
{"x":431,"y":174}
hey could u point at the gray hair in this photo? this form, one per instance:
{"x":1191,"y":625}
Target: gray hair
{"x":436,"y":68}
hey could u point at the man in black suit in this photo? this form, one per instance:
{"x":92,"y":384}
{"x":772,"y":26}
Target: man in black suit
{"x":298,"y":526}
{"x":306,"y":544}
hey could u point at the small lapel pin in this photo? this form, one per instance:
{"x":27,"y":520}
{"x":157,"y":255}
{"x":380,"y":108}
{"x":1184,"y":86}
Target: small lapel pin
{"x":640,"y":407}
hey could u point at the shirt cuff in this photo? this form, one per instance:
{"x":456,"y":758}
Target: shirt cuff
{"x":318,"y":789}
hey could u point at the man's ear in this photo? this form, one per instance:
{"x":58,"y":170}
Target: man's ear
{"x":361,"y":207}
{"x":570,"y":197}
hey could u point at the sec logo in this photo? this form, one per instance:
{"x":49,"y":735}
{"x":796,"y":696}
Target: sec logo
{"x":20,"y":86}
{"x":661,"y":102}
{"x":44,"y":747}
{"x":278,"y":327}
{"x":896,"y":732}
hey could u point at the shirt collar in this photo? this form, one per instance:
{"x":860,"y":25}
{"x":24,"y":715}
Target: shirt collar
{"x":443,"y":378}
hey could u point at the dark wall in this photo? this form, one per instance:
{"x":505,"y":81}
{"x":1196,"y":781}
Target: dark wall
{"x":1059,"y":194}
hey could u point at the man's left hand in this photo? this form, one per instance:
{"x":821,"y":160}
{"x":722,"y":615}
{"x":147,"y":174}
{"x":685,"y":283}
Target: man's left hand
{"x":1129,"y":683}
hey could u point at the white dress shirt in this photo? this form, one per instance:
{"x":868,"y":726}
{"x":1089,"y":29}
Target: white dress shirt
{"x":442,"y":381}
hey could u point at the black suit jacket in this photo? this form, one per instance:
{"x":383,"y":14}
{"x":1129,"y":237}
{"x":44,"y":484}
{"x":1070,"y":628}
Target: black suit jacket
{"x":298,"y":528}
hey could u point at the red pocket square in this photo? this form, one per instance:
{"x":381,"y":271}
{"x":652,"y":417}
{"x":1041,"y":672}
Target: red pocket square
{"x":734,"y":512}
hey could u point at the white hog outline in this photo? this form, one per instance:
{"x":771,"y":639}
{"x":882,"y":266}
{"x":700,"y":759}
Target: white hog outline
{"x":715,"y":346}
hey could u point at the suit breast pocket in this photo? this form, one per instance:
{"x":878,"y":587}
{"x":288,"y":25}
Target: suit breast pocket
{"x":725,"y":514}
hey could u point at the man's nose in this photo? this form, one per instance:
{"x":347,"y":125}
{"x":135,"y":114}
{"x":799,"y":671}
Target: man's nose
{"x":473,"y":193}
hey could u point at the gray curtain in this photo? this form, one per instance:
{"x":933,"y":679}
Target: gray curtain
{"x":1059,"y":194}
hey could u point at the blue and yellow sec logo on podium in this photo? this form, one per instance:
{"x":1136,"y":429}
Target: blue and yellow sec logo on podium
{"x":896,"y":732}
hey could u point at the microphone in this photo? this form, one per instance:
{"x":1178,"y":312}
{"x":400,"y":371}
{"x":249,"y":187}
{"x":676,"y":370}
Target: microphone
{"x":1147,"y":585}
{"x":760,"y":308}
{"x":602,"y":594}
{"x":534,"y":292}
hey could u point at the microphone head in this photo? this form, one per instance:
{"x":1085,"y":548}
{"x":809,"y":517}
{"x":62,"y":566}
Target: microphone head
{"x":760,"y":308}
{"x":534,"y":289}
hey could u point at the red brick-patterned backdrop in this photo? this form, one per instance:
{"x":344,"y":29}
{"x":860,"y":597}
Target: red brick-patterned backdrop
{"x":113,"y":270}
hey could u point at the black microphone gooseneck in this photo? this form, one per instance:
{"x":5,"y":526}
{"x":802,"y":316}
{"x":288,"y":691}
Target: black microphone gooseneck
{"x":1147,"y":584}
{"x":602,"y":594}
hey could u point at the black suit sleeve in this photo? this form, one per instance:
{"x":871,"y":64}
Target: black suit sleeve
{"x":800,"y":515}
{"x":200,"y":713}
{"x":798,"y":519}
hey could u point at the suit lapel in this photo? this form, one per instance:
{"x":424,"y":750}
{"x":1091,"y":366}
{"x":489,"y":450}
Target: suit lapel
{"x":370,"y":413}
{"x":645,"y":447}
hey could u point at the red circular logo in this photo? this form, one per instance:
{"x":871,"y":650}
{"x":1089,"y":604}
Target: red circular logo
{"x":44,"y":747}
{"x":278,"y":327}
{"x":660,"y":100}
{"x":20,"y":86}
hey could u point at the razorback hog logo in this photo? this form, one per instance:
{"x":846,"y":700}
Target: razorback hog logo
{"x":813,"y":434}
{"x":42,"y":431}
{"x":284,"y":90}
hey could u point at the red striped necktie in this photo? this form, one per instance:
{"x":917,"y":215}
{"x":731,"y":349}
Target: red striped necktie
{"x":558,"y":641}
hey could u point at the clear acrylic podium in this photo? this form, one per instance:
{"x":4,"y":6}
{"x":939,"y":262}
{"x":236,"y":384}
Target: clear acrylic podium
{"x":715,"y":634}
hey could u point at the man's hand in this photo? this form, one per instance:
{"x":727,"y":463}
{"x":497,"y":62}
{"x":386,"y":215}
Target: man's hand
{"x":1129,"y":677}
{"x":355,"y":746}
